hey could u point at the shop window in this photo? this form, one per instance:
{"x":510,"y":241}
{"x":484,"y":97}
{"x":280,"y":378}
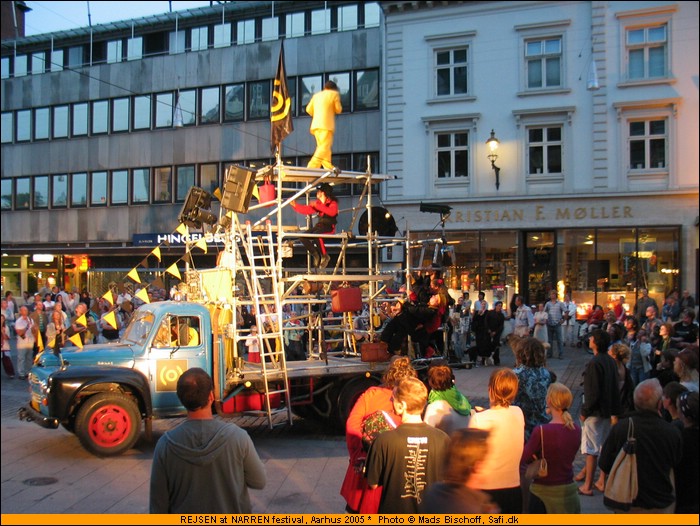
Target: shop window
{"x":142,"y":112}
{"x":234,"y":102}
{"x":141,"y":185}
{"x":59,"y":191}
{"x":7,"y":127}
{"x":22,"y":193}
{"x":98,"y":189}
{"x":120,"y":114}
{"x":366,"y":90}
{"x":40,"y":195}
{"x":210,"y":104}
{"x":24,"y":125}
{"x":163,"y":184}
{"x":119,"y":189}
{"x":60,"y":121}
{"x":41,"y":123}
{"x":78,"y":190}
{"x":259,"y":100}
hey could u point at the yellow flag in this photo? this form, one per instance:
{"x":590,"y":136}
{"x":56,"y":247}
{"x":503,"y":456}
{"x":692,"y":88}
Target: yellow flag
{"x":202,"y":243}
{"x":39,"y":342}
{"x":134,"y":274}
{"x":81,"y":320}
{"x":172,"y":269}
{"x":111,"y":319}
{"x":76,"y":340}
{"x":217,"y":193}
{"x":108,"y":297}
{"x":143,"y":295}
{"x":182,"y":229}
{"x":156,"y":253}
{"x":256,"y":193}
{"x":52,"y":343}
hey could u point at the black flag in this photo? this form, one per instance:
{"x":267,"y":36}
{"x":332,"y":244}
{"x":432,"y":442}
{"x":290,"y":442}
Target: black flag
{"x":281,"y":110}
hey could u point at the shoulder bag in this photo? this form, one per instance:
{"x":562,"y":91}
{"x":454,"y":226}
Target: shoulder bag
{"x":538,"y":468}
{"x":621,"y":486}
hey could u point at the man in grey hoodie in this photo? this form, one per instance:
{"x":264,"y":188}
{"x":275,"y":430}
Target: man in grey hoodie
{"x":204,"y":465}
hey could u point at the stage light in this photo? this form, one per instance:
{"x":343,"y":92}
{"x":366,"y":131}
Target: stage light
{"x":435,"y":209}
{"x":383,"y":223}
{"x":196,"y":210}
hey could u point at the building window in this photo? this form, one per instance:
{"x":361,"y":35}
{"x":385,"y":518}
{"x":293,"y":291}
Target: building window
{"x":57,"y":60}
{"x":543,"y":61}
{"x":187,"y":99}
{"x":119,"y":194}
{"x":209,"y":177}
{"x":40,"y":198}
{"x":451,"y":72}
{"x":210,"y":104}
{"x":134,"y":48}
{"x":75,"y":57}
{"x":78,"y":190}
{"x":177,"y":42}
{"x":59,"y":191}
{"x":372,"y":14}
{"x":199,"y":38}
{"x":8,"y":126}
{"x":646,"y":52}
{"x":259,"y":100}
{"x":544,"y":149}
{"x":342,"y":80}
{"x":100,"y":117}
{"x":452,"y":154}
{"x":120,"y":114}
{"x":38,"y":63}
{"x":80,"y":119}
{"x":270,"y":29}
{"x":24,"y":125}
{"x":234,"y":102}
{"x":164,"y":110}
{"x":222,"y":35}
{"x":245,"y":32}
{"x":5,"y":67}
{"x":98,"y":189}
{"x":183,"y":182}
{"x":163,"y":184}
{"x":295,"y":25}
{"x":60,"y":122}
{"x":41,"y":123}
{"x":114,"y":51}
{"x":142,"y":112}
{"x":366,"y":90}
{"x":22,"y":195}
{"x":309,"y":85}
{"x":6,"y":194}
{"x":320,"y":21}
{"x":347,"y":18}
{"x":141,"y":185}
{"x":647,"y":144}
{"x":20,"y":66}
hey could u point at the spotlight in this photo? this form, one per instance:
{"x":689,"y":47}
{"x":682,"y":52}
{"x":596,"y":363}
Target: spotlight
{"x":435,"y":209}
{"x":195,"y":211}
{"x":382,"y":222}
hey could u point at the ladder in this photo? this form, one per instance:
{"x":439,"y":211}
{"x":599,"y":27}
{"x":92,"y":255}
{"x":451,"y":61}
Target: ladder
{"x":262,"y":282}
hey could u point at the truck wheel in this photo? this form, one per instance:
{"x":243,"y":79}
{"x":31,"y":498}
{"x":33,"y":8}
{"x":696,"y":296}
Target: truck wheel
{"x":349,"y":394}
{"x":108,"y":424}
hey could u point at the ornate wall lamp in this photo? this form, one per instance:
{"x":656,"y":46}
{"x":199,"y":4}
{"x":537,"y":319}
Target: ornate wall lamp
{"x":493,"y":143}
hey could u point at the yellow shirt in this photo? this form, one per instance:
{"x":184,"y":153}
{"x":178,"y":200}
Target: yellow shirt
{"x":323,"y":107}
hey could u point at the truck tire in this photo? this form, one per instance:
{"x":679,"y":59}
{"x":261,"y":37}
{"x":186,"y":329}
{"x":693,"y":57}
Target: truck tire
{"x":348,"y":395}
{"x":108,"y":424}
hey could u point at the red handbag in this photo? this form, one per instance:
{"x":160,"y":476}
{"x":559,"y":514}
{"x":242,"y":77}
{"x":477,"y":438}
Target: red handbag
{"x":346,"y":299}
{"x":374,"y":352}
{"x":267,"y":192}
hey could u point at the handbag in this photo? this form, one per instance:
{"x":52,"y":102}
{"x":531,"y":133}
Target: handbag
{"x":374,"y":352}
{"x":621,"y":486}
{"x":538,"y":468}
{"x":346,"y":299}
{"x":374,"y":424}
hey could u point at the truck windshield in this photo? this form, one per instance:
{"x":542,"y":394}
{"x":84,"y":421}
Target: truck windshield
{"x":139,"y":327}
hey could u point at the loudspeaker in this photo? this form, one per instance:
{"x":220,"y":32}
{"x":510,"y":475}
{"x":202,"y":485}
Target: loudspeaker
{"x":195,"y":210}
{"x":382,"y":222}
{"x":238,"y":188}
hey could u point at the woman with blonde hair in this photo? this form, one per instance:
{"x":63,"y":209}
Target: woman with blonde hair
{"x":499,"y":475}
{"x":556,"y":442}
{"x":359,"y":497}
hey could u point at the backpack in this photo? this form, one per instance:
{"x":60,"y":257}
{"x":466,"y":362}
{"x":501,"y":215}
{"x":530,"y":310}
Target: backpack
{"x":374,"y":424}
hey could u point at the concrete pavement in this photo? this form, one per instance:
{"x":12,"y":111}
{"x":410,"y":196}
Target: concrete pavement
{"x":47,"y":471}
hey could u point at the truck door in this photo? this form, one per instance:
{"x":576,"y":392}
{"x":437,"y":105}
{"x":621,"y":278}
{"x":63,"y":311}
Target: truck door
{"x":178,"y":345}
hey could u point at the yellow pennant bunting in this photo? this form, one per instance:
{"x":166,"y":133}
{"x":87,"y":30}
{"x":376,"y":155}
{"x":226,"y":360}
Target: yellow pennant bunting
{"x":158,"y":283}
{"x":172,"y":269}
{"x":111,"y":319}
{"x":76,"y":340}
{"x":52,"y":343}
{"x":134,"y":274}
{"x":217,"y":193}
{"x":256,"y":193}
{"x":108,"y":297}
{"x":202,"y":243}
{"x":39,"y":342}
{"x":143,"y":295}
{"x":182,"y":229}
{"x":144,"y":262}
{"x":156,"y":253}
{"x":81,"y":320}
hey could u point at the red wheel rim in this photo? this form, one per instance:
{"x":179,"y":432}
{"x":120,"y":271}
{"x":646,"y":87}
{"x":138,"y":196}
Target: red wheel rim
{"x":109,"y":426}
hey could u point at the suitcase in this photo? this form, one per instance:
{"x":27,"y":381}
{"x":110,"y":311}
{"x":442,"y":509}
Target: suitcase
{"x":346,"y":299}
{"x":374,"y":352}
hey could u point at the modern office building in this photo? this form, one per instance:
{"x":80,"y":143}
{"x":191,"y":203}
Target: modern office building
{"x":593,"y":188}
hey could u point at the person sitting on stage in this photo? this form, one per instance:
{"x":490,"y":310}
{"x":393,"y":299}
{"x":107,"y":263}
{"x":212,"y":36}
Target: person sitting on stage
{"x":326,"y":206}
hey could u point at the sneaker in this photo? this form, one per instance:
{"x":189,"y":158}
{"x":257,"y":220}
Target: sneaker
{"x":324,"y":261}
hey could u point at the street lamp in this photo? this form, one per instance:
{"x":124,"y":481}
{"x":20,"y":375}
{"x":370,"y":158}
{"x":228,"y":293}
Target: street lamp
{"x":493,"y":143}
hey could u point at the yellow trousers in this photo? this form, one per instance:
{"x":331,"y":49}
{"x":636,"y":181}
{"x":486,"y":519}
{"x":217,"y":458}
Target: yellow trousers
{"x":322,"y":155}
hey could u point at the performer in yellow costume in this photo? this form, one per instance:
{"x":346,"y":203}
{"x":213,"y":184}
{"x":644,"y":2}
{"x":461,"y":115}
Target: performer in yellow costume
{"x":323,"y":107}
